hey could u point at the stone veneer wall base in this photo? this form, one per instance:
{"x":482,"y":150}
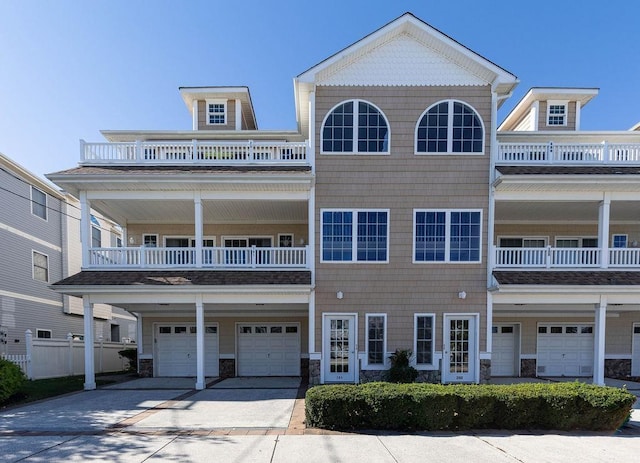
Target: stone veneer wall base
{"x":145,"y":368}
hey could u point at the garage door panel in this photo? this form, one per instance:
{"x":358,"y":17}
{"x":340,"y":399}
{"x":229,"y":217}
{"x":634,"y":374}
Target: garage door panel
{"x":176,"y":351}
{"x":565,"y":350}
{"x":268,"y":350}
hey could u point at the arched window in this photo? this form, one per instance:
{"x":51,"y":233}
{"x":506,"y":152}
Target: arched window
{"x":355,"y":126}
{"x":450,"y":127}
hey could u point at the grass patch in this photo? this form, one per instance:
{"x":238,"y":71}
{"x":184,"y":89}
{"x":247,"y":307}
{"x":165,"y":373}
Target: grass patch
{"x":39,"y":389}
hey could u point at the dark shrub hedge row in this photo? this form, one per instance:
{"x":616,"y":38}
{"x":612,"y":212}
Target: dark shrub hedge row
{"x":430,"y":407}
{"x":11,"y":379}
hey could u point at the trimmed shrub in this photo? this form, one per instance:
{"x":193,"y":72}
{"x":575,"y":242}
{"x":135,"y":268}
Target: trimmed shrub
{"x":132,"y":357}
{"x":401,"y":371}
{"x":430,"y":407}
{"x":11,"y":379}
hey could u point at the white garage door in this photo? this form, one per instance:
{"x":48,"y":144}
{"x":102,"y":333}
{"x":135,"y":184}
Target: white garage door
{"x":565,"y":350}
{"x":503,"y":357}
{"x":176,"y":350}
{"x":269,"y":349}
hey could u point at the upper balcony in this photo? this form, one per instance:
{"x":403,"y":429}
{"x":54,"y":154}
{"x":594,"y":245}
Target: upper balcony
{"x":195,"y":152}
{"x":566,"y":258}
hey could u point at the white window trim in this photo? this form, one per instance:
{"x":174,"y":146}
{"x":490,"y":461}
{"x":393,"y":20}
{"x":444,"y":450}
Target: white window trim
{"x":532,"y":237}
{"x":93,"y":227}
{"x":356,"y":102}
{"x":46,"y":203}
{"x":244,"y":237}
{"x":564,"y":103}
{"x":579,"y":238}
{"x":414,"y":359}
{"x":354,"y":241}
{"x":207,"y":114}
{"x":150,"y":234}
{"x":447,"y":244}
{"x":44,"y":331}
{"x":385,"y":359}
{"x":33,"y":266}
{"x":449,"y":151}
{"x":626,"y":240}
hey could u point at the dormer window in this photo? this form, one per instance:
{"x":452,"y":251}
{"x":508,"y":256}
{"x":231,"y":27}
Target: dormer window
{"x":355,"y":127}
{"x":556,"y":113}
{"x":216,"y":112}
{"x":449,"y":127}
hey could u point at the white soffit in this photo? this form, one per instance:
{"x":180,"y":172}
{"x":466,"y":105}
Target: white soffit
{"x":401,"y":60}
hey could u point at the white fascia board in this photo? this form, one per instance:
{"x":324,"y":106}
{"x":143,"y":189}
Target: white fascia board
{"x":172,"y":135}
{"x":29,"y":177}
{"x":548,"y":195}
{"x":301,"y":195}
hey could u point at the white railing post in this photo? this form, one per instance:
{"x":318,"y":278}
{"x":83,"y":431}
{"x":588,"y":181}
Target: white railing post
{"x":100,"y":353}
{"x":549,"y":256}
{"x":28,"y":337}
{"x":82,"y":150}
{"x":606,"y":154}
{"x":139,"y":150}
{"x":70,"y":362}
{"x":143,"y":256}
{"x":550,"y":152}
{"x":252,"y":256}
{"x":194,"y":150}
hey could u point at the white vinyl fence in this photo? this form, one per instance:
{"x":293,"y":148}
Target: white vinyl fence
{"x":53,"y":358}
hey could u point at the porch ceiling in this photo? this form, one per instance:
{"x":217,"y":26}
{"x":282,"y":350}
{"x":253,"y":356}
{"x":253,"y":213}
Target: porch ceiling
{"x":169,"y":310}
{"x":214,"y":211}
{"x":564,"y":211}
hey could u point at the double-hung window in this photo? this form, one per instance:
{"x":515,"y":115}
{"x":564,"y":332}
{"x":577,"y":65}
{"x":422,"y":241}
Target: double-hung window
{"x":96,"y":233}
{"x":556,"y":113}
{"x":216,"y":112}
{"x":40,"y":266}
{"x":450,"y":127}
{"x":38,"y":203}
{"x":447,"y":235}
{"x":355,"y":235}
{"x":376,"y":339}
{"x":424,"y":326}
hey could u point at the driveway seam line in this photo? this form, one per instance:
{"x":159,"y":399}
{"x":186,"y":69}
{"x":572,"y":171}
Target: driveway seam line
{"x":47,"y":449}
{"x":387,"y":449}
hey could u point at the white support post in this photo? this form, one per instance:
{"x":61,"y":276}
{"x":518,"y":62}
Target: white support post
{"x":101,"y":355}
{"x":599,"y":342}
{"x":89,"y":366}
{"x":139,"y":333}
{"x":238,"y":114}
{"x":197,"y":203}
{"x":85,"y":228}
{"x":312,"y":322}
{"x":200,"y":379}
{"x":489,"y":323}
{"x":28,"y":338}
{"x":603,"y":231}
{"x":311,"y":230}
{"x":578,"y":110}
{"x":194,"y":115}
{"x":311,"y":153}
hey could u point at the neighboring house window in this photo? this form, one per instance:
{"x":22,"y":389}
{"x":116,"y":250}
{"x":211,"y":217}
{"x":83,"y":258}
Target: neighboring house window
{"x":40,"y":267}
{"x":516,"y":242}
{"x":447,"y":235}
{"x":578,"y":242}
{"x":619,"y":241}
{"x":355,"y":127}
{"x":556,"y":113}
{"x":450,"y":127}
{"x":376,"y":339}
{"x":423,"y":338}
{"x":150,"y":241}
{"x":38,"y":203}
{"x":43,"y":334}
{"x":355,"y":235}
{"x":216,"y":112}
{"x":96,"y":233}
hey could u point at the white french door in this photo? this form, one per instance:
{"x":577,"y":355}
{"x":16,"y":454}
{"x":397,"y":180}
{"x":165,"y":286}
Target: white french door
{"x":339,"y":348}
{"x":460,"y":349}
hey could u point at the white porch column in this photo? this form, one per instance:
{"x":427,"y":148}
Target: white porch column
{"x":603,"y":231}
{"x":311,"y":230}
{"x":85,"y":227}
{"x":194,"y":114}
{"x":599,"y":341}
{"x":238,"y":104}
{"x":197,"y":203}
{"x":200,"y":380}
{"x":138,"y":334}
{"x":89,"y":366}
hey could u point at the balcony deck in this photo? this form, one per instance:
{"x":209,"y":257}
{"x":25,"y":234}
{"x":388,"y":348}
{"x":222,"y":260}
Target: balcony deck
{"x":566,"y":258}
{"x":569,"y":154}
{"x":201,"y":152}
{"x":215,"y":258}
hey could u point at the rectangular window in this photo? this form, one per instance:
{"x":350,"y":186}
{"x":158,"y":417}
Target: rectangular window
{"x":96,"y":237}
{"x":355,"y":236}
{"x":38,"y":203}
{"x":447,"y":236}
{"x":619,"y":241}
{"x":423,"y":335}
{"x":216,"y":112}
{"x":40,"y":267}
{"x":556,"y":113}
{"x":150,"y":241}
{"x":43,"y":334}
{"x":376,"y":335}
{"x":285,"y":240}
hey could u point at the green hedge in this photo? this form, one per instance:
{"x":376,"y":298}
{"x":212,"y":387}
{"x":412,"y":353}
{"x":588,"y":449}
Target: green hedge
{"x":430,"y":407}
{"x":11,"y":379}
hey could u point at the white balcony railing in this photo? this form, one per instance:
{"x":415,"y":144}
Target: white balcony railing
{"x":578,"y":258}
{"x":212,"y":258}
{"x":569,"y":153}
{"x":195,"y":151}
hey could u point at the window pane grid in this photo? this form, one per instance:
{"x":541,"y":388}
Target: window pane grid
{"x":432,"y":130}
{"x":442,"y":236}
{"x":339,"y":346}
{"x":356,"y":123}
{"x":372,"y":236}
{"x":337,"y":236}
{"x":459,"y":346}
{"x":375,"y":345}
{"x":465,"y":237}
{"x":337,"y":134}
{"x":424,"y":339}
{"x":38,"y":203}
{"x":40,"y":267}
{"x":430,"y":236}
{"x":467,"y":130}
{"x":369,"y":234}
{"x":372,"y":129}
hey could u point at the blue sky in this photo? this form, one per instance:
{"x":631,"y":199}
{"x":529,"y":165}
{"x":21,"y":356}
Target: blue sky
{"x":69,"y":69}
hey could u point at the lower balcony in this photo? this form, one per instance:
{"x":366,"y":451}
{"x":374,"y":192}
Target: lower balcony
{"x":223,"y":258}
{"x":566,"y":258}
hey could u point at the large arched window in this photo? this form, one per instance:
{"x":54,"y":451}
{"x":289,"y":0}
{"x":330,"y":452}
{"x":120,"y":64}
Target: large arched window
{"x":450,"y":126}
{"x":355,"y":126}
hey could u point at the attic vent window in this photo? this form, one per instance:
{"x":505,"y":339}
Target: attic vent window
{"x":556,"y":113}
{"x":216,"y":112}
